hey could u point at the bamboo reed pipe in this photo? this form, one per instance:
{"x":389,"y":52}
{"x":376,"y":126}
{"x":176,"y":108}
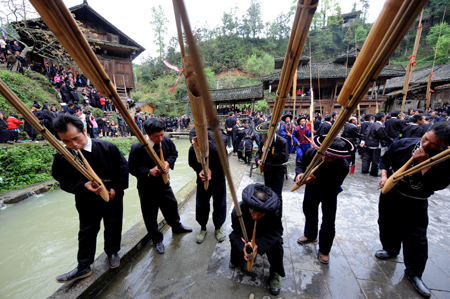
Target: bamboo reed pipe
{"x":250,"y":262}
{"x":14,"y":101}
{"x":209,"y":106}
{"x":104,"y":193}
{"x":305,"y":177}
{"x":302,"y":21}
{"x":60,"y":21}
{"x":391,"y":26}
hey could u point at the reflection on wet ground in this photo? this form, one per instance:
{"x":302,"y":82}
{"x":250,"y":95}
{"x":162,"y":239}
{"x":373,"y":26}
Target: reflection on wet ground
{"x":190,"y":270}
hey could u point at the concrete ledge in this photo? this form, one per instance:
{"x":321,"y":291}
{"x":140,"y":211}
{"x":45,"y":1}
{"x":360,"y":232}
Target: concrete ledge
{"x":132,"y":242}
{"x":18,"y":195}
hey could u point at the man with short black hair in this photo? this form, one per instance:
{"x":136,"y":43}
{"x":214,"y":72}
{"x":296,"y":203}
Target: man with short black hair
{"x":229,"y":124}
{"x":372,"y":143}
{"x":110,"y":165}
{"x":393,"y":127}
{"x":403,"y":211}
{"x":414,"y":128}
{"x":325,"y":127}
{"x":154,"y":194}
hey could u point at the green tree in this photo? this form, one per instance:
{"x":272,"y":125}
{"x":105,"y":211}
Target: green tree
{"x":260,"y":65}
{"x":444,"y":42}
{"x":253,"y":24}
{"x":159,"y":26}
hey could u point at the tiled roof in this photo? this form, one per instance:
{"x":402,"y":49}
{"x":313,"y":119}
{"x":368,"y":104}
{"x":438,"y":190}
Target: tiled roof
{"x":242,"y":93}
{"x":334,"y":70}
{"x":279,"y":61}
{"x":441,"y":73}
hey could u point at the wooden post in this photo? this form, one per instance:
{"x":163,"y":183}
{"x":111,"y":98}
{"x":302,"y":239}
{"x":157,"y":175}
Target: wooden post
{"x":294,"y":94}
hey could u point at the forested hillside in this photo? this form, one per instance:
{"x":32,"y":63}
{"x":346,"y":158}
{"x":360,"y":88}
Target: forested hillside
{"x":246,"y":44}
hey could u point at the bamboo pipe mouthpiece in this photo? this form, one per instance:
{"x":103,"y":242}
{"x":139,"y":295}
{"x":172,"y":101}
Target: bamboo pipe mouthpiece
{"x":393,"y":179}
{"x":295,"y":187}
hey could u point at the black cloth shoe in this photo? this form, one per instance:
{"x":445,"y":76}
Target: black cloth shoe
{"x":419,"y":285}
{"x":181,"y":229}
{"x":113,"y":260}
{"x":384,"y":255}
{"x":74,"y":275}
{"x":160,"y":247}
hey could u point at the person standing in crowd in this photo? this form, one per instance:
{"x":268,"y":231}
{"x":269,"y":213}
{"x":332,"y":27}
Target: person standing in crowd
{"x":236,"y":139}
{"x":260,"y":203}
{"x":121,"y":123}
{"x":414,"y":129}
{"x":300,"y":137}
{"x":110,"y":165}
{"x":216,"y":189}
{"x":325,"y":127}
{"x":5,"y":134}
{"x":393,"y":127}
{"x":65,"y":94}
{"x":274,"y":167}
{"x":403,"y":211}
{"x":351,"y":133}
{"x":229,"y":123}
{"x":286,"y":130}
{"x":246,"y":137}
{"x":434,"y":118}
{"x":371,"y":142}
{"x":323,"y":187}
{"x":154,"y":194}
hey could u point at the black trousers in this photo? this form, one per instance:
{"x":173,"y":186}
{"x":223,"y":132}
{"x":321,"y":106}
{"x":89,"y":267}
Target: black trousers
{"x":229,"y":138}
{"x":91,"y":210}
{"x":311,"y":210}
{"x":274,"y":179}
{"x":154,"y":198}
{"x":371,"y":156}
{"x":202,"y":208}
{"x":274,"y":255}
{"x":404,"y":220}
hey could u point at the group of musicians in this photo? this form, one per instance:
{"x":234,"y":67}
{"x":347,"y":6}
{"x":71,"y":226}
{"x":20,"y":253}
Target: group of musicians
{"x":402,"y":219}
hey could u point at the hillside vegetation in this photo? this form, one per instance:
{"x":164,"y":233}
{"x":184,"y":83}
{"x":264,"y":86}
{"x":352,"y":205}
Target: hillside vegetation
{"x":246,"y":44}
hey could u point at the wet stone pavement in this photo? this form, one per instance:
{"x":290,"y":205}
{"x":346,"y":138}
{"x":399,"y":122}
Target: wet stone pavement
{"x":191,"y":270}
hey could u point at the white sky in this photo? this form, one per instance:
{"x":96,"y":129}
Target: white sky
{"x":133,"y":16}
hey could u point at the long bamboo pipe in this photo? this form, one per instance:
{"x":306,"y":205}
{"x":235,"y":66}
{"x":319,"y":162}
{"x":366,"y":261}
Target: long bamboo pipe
{"x":14,"y":101}
{"x":410,"y":67}
{"x":61,"y":22}
{"x":252,"y":257}
{"x":208,"y":104}
{"x":304,"y":178}
{"x":201,"y":147}
{"x":404,"y":171}
{"x":302,"y":22}
{"x":386,"y":34}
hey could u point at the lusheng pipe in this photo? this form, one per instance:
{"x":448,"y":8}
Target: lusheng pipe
{"x":386,"y":34}
{"x":253,"y":254}
{"x":61,"y":22}
{"x":14,"y":101}
{"x":302,"y":22}
{"x":404,"y":171}
{"x":208,"y":105}
{"x":305,"y":177}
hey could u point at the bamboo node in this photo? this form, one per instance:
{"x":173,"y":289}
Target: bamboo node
{"x":308,"y":7}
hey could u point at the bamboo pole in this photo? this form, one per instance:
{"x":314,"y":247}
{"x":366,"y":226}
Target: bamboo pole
{"x":14,"y":101}
{"x":404,"y":171}
{"x":252,"y":258}
{"x":311,"y":107}
{"x":61,"y":22}
{"x":209,"y":107}
{"x":294,"y":95}
{"x":412,"y":62}
{"x":201,"y":147}
{"x":302,"y":22}
{"x":387,"y":32}
{"x":428,"y":95}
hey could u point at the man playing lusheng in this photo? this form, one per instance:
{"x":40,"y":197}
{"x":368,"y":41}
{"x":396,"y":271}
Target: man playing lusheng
{"x":153,"y":192}
{"x":260,"y":203}
{"x":323,"y":187}
{"x":403,"y":211}
{"x":110,"y":165}
{"x":216,"y":189}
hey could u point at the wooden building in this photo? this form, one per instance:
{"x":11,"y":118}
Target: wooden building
{"x":114,"y":49}
{"x":416,"y":97}
{"x":144,"y":107}
{"x":327,"y":80}
{"x":232,"y":96}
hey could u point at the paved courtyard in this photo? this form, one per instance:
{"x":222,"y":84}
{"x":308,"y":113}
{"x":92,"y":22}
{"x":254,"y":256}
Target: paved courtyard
{"x":191,"y":270}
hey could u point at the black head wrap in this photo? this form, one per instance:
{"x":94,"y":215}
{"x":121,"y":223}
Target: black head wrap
{"x":269,"y":203}
{"x":36,"y":105}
